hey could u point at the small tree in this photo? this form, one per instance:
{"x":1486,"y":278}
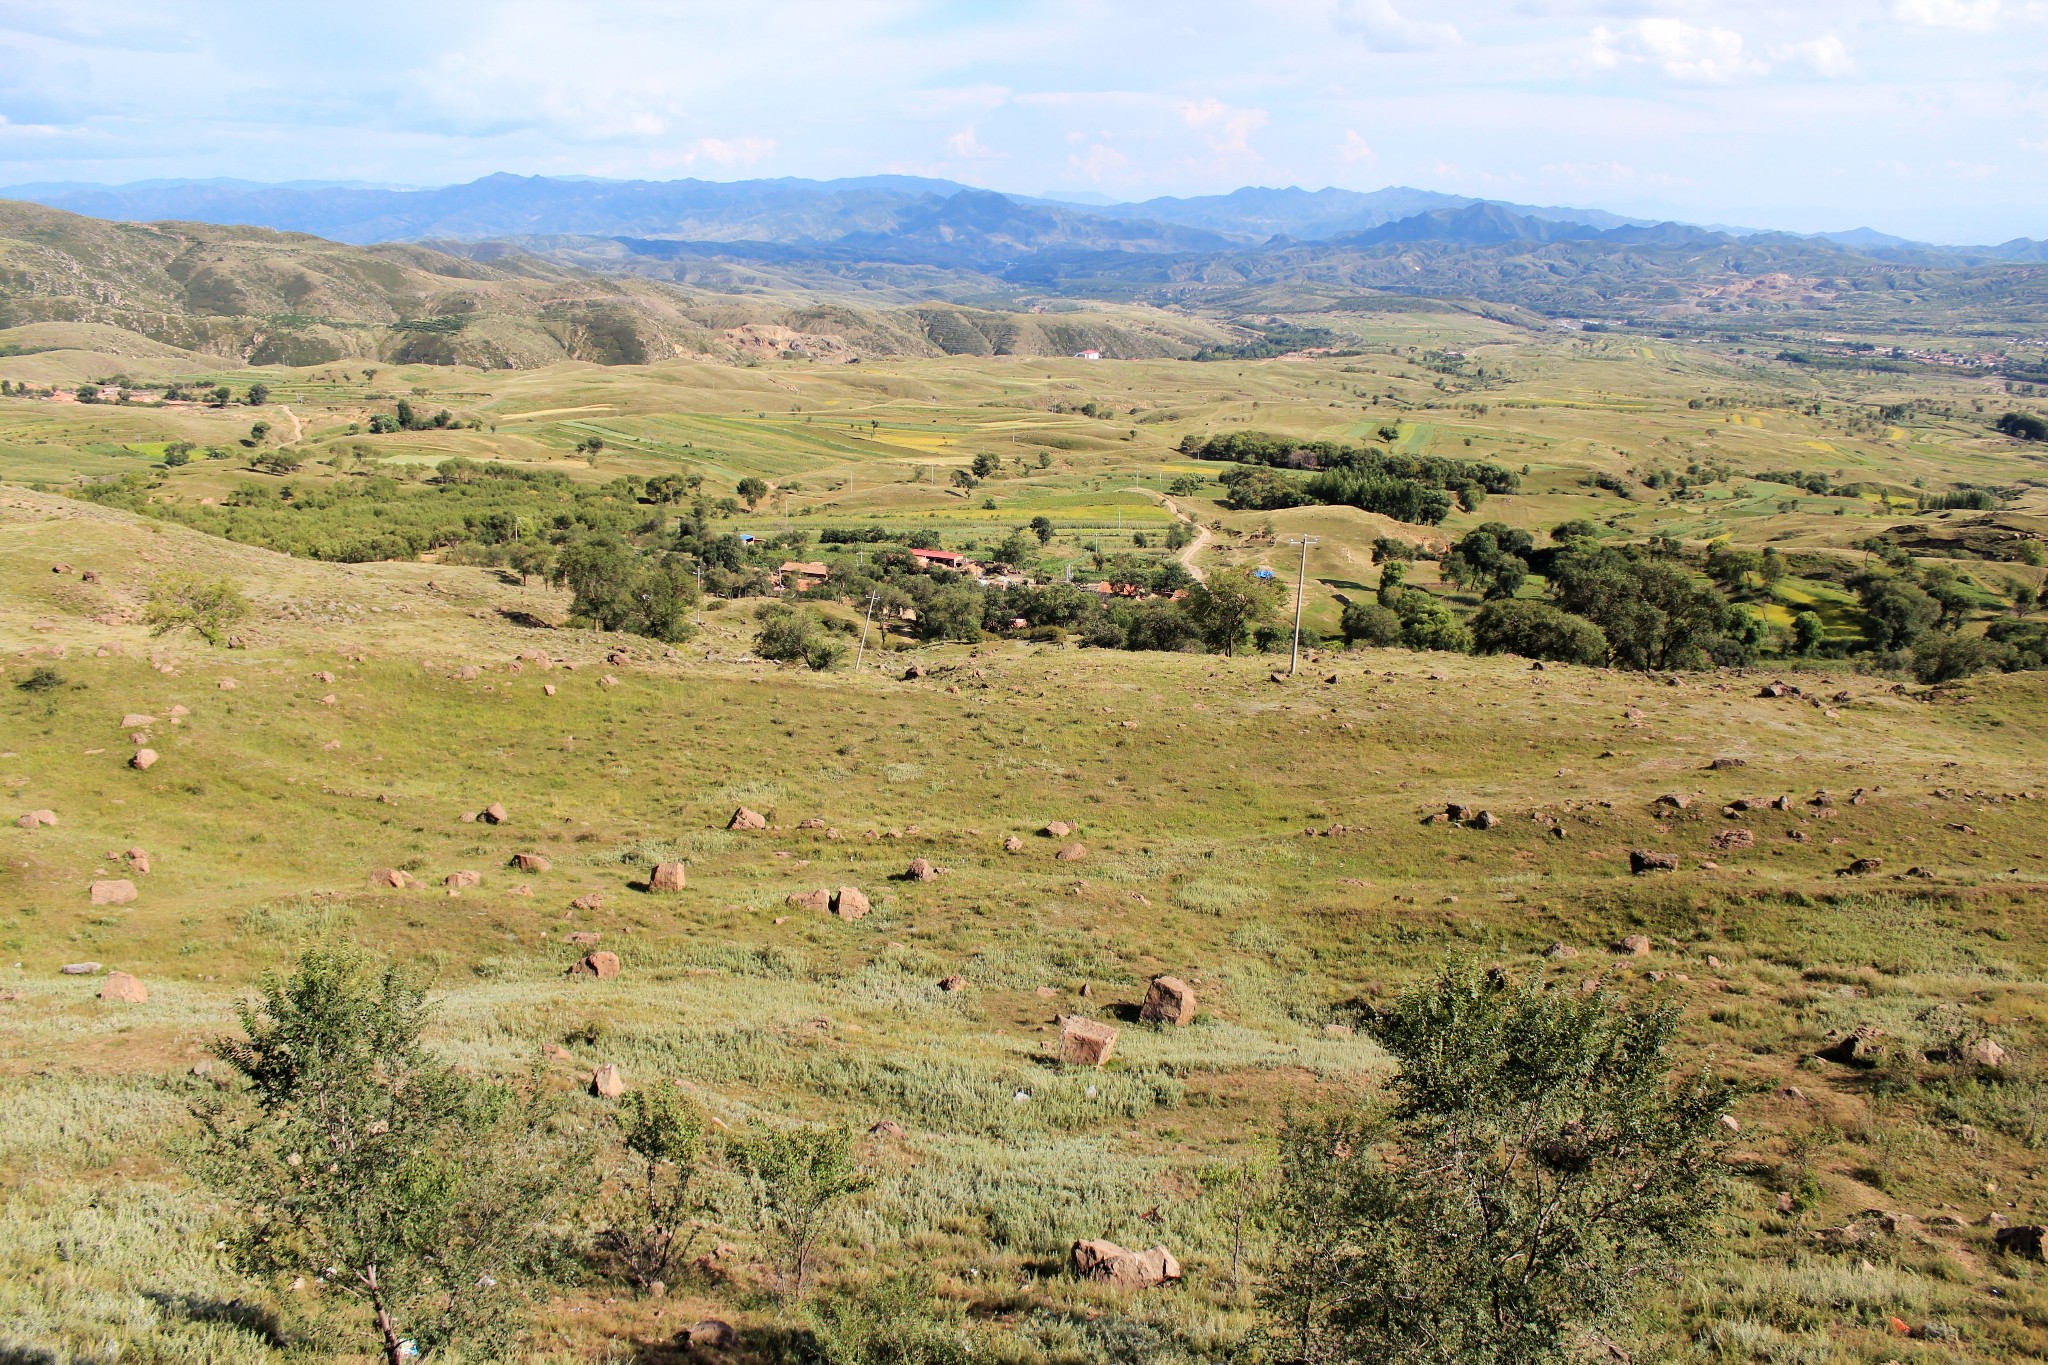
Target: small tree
{"x":1242,"y":1193}
{"x":1042,"y":527}
{"x":1231,"y":605}
{"x":986,"y":466}
{"x":182,"y":601}
{"x":797,"y":1179}
{"x":358,"y":1160}
{"x":751,"y":490}
{"x":1369,"y":623}
{"x":1539,"y":1165}
{"x":666,"y":1141}
{"x":259,"y":394}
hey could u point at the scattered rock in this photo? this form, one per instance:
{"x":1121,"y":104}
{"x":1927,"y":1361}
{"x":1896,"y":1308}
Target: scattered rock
{"x":1104,"y":1260}
{"x":607,"y":1082}
{"x":1862,"y":867}
{"x":1560,"y":952}
{"x":137,"y":860}
{"x":667,"y":877}
{"x":112,"y":891}
{"x":920,"y":870}
{"x":913,"y":673}
{"x":463,"y":880}
{"x":1727,"y":839}
{"x":1864,"y":1047}
{"x":79,"y":968}
{"x":1635,"y":945}
{"x":2028,"y":1240}
{"x":1013,"y":845}
{"x":952,"y":984}
{"x":390,"y":878}
{"x":603,"y":966}
{"x":1168,"y":1000}
{"x":1642,"y":860}
{"x":124,"y":989}
{"x":1485,"y":819}
{"x":1673,"y":801}
{"x":1057,"y":829}
{"x":36,"y":817}
{"x":1730,"y":1124}
{"x":887,"y":1128}
{"x":747,"y":819}
{"x":850,"y":902}
{"x":493,"y":814}
{"x":135,"y":720}
{"x":1723,"y":764}
{"x":1985,"y":1052}
{"x":1457,"y":813}
{"x":531,"y":862}
{"x":1083,"y":1042}
{"x":590,"y":900}
{"x":710,"y":1335}
{"x":818,"y":902}
{"x":584,"y":938}
{"x":227,"y":685}
{"x":144,"y":760}
{"x":812,"y":823}
{"x":1072,"y":853}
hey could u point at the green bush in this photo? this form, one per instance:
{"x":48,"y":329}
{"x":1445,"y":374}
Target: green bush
{"x":1537,"y":630}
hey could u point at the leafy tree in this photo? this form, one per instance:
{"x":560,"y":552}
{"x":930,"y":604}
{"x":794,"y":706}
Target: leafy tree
{"x":599,"y":572}
{"x":88,"y":393}
{"x":751,"y":490}
{"x":1945,"y":585}
{"x":358,"y":1160}
{"x":2023,"y":426}
{"x":1393,"y":580}
{"x":1941,"y":657}
{"x":797,"y":1180}
{"x":986,"y":466}
{"x":1539,"y":1165}
{"x":950,"y":613}
{"x":1537,"y":630}
{"x":186,"y":601}
{"x":1491,"y":560}
{"x":1179,"y":536}
{"x":1808,"y":631}
{"x":177,"y":453}
{"x":259,"y":394}
{"x":528,"y":561}
{"x":963,"y":478}
{"x":1018,"y":550}
{"x":1185,"y":486}
{"x":1231,"y":605}
{"x":1654,"y":614}
{"x":651,"y":1233}
{"x":1426,"y":623}
{"x":259,"y":430}
{"x":1895,"y":612}
{"x":793,"y":635}
{"x":221,"y":395}
{"x":1369,"y":623}
{"x":408,"y":420}
{"x":1042,"y":527}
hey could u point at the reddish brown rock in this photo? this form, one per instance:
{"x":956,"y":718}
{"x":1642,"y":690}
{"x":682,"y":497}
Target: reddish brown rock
{"x":390,"y":878}
{"x":1072,"y":853}
{"x":137,"y":860}
{"x":1084,"y":1042}
{"x":494,"y":814}
{"x":850,"y":902}
{"x":1013,"y":845}
{"x":33,"y":818}
{"x":920,"y":870}
{"x":747,"y":819}
{"x":1168,"y":1000}
{"x":603,"y":966}
{"x":1106,"y":1261}
{"x":124,"y":989}
{"x":1643,"y":860}
{"x":463,"y":880}
{"x":1057,"y":829}
{"x":112,"y":891}
{"x":667,"y":877}
{"x":1635,"y":945}
{"x":817,"y":902}
{"x":607,"y":1082}
{"x":144,"y":760}
{"x":531,"y":862}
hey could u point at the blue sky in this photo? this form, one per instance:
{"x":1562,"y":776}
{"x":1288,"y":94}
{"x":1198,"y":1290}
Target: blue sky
{"x":1927,"y":118}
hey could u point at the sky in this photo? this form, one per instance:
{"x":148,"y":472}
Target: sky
{"x":1926,"y":118}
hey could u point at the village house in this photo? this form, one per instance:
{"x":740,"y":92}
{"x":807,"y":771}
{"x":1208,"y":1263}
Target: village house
{"x":796,"y":575}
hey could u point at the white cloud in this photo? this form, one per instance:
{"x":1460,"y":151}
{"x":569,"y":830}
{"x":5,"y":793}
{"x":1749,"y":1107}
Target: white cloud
{"x":1825,"y":56}
{"x":1682,"y":51}
{"x":1388,"y":30}
{"x":968,"y":147}
{"x":1101,"y":162}
{"x":1227,"y":129}
{"x":738,"y":151}
{"x":1355,"y":148}
{"x":1591,"y":173}
{"x":1976,"y":15}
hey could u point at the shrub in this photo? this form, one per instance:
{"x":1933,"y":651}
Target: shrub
{"x":1537,"y":630}
{"x":1369,"y":623}
{"x":185,"y":601}
{"x":1427,"y":623}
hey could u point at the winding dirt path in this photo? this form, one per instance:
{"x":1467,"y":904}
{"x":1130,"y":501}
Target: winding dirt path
{"x":1194,"y":547}
{"x":298,"y":428}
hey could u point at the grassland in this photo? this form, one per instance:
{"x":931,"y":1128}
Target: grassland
{"x":1265,"y":840}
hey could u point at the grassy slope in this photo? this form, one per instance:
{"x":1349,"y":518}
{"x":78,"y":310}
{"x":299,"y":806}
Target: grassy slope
{"x":1193,"y":814}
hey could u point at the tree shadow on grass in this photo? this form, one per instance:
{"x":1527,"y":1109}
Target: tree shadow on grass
{"x":252,"y":1318}
{"x":525,"y":618}
{"x":768,"y":1342}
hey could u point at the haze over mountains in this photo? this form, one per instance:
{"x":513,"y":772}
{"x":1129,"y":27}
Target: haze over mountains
{"x":891,"y":217}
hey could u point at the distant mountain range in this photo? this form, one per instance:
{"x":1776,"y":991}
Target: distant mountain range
{"x":893,"y":217}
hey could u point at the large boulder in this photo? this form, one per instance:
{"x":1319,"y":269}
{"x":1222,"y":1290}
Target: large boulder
{"x":1729,"y":839}
{"x":463,"y":880}
{"x":604,"y":966}
{"x":711,"y":1334}
{"x":607,"y":1082}
{"x":531,"y":862}
{"x":494,"y":814}
{"x":123,"y":988}
{"x":747,"y":819}
{"x":920,"y":870}
{"x":1168,"y":1000}
{"x":32,"y":819}
{"x":1072,"y":853}
{"x":1865,"y":1047}
{"x":136,"y":720}
{"x":144,"y":760}
{"x":1084,"y":1042}
{"x":112,"y":891}
{"x":1635,"y":945}
{"x":850,"y":902}
{"x":1642,"y":860}
{"x":390,"y":878}
{"x":1099,"y":1259}
{"x":1057,"y":829}
{"x":667,"y":877}
{"x":137,"y":860}
{"x":817,"y":902}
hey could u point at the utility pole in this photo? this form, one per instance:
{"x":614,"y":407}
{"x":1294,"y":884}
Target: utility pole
{"x":1300,"y":583}
{"x":858,"y":654}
